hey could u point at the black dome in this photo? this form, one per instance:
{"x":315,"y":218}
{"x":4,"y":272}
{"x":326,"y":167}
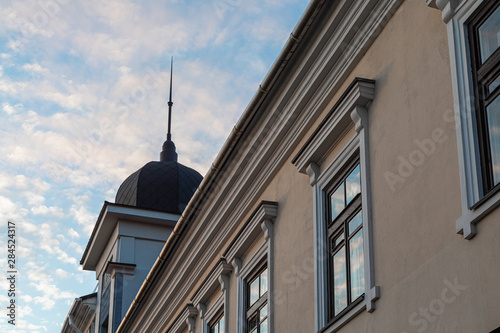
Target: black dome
{"x":166,"y":185}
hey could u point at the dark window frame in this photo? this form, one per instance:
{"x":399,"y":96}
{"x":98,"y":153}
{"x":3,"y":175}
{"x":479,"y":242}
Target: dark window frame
{"x":340,"y":225}
{"x":216,"y":321}
{"x":253,"y":310}
{"x":483,"y":74}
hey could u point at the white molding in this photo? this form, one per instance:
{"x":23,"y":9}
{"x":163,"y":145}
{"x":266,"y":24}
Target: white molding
{"x":264,"y":253}
{"x":266,"y":211}
{"x":431,"y":3}
{"x":284,"y":119}
{"x":353,"y":110}
{"x":109,"y":218}
{"x":260,"y":223}
{"x":214,"y":310}
{"x":217,"y":278}
{"x":114,"y":268}
{"x":202,"y":309}
{"x":211,"y":283}
{"x":236,"y":262}
{"x":335,"y":124}
{"x":187,"y":319}
{"x":455,"y":14}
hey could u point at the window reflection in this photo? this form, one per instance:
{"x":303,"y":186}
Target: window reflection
{"x":493,"y":112}
{"x":489,"y":35}
{"x":357,"y":263}
{"x":355,"y":222}
{"x":346,"y":240}
{"x":339,"y":281}
{"x":353,"y":185}
{"x":254,"y":291}
{"x":337,"y":202}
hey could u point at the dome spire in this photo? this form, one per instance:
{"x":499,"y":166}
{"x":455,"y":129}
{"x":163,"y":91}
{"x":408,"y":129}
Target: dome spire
{"x":168,"y":153}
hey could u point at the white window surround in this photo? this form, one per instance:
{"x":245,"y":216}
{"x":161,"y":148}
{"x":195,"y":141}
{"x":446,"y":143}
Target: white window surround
{"x":260,"y":223}
{"x":187,"y":319}
{"x":219,"y":277}
{"x":455,"y":13}
{"x":214,"y":311}
{"x":352,"y":109}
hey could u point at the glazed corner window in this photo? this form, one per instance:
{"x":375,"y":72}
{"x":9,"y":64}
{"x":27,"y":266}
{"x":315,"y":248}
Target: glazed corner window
{"x":484,"y":42}
{"x":218,"y":325}
{"x":256,"y":309}
{"x":345,"y":234}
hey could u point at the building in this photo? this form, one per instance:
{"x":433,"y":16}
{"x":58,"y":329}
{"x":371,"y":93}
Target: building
{"x":358,"y":192}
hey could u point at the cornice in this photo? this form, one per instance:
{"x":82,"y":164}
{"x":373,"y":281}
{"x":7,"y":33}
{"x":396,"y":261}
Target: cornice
{"x":186,"y":319}
{"x":114,"y":268}
{"x":447,"y":8}
{"x":214,"y":280}
{"x":341,"y":117}
{"x":260,"y":222}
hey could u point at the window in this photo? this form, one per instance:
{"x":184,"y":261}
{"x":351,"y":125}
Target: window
{"x":212,"y":298}
{"x":256,"y":312}
{"x":218,"y":325}
{"x":484,"y":42}
{"x":345,"y":234}
{"x":343,"y":238}
{"x":254,"y":273}
{"x":473,"y":39}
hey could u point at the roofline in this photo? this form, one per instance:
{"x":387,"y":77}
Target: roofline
{"x":121,"y":209}
{"x":75,"y":303}
{"x":306,"y":20}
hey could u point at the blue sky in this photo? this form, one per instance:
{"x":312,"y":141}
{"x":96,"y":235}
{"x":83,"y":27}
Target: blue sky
{"x":83,"y":91}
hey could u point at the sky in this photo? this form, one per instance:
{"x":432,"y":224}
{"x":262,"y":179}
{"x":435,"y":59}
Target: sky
{"x":83,"y":93}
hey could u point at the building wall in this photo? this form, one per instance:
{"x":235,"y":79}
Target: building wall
{"x":417,"y":253}
{"x":430,"y":278}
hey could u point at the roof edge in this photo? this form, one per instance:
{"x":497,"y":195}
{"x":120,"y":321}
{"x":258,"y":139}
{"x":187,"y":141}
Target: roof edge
{"x":306,"y":20}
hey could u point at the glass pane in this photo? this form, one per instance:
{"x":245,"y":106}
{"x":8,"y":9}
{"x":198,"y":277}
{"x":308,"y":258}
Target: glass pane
{"x":355,"y":222}
{"x":215,"y":329}
{"x":352,"y":185}
{"x":493,"y":85}
{"x":254,"y":291}
{"x":339,"y":281}
{"x":252,"y":323}
{"x":263,"y":313}
{"x":339,"y":239}
{"x":263,"y":327}
{"x":493,"y":113}
{"x":489,"y":35}
{"x":263,"y":282}
{"x":357,"y":265}
{"x":337,"y":202}
{"x":221,"y":325}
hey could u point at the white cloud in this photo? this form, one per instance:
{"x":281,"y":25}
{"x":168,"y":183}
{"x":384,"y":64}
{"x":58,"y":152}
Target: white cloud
{"x":62,"y":273}
{"x":72,"y":233}
{"x":10,"y":211}
{"x":34,"y":199}
{"x":43,"y":283}
{"x":44,"y":210}
{"x":9,"y":109}
{"x":26,"y":298}
{"x":83,"y":217}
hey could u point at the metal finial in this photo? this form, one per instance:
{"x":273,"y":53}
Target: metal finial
{"x":168,"y":152}
{"x":170,"y":103}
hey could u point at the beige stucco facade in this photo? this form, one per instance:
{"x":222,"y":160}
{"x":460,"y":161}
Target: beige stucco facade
{"x":427,"y":277}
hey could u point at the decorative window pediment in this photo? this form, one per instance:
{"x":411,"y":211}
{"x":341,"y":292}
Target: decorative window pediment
{"x":342,"y":220}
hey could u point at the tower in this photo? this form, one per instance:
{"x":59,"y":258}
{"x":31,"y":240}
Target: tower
{"x":130,"y":233}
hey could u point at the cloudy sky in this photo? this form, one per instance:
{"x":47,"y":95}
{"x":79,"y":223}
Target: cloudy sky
{"x":83,"y":91}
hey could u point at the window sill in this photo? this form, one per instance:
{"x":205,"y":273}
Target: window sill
{"x":466,"y":224}
{"x":335,"y":324}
